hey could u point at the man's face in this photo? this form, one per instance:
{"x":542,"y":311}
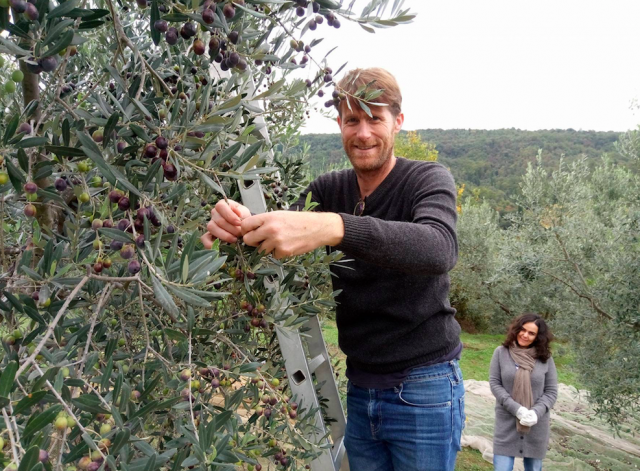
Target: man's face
{"x":368,"y":141}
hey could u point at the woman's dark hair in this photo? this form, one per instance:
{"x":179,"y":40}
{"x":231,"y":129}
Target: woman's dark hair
{"x":543,"y":339}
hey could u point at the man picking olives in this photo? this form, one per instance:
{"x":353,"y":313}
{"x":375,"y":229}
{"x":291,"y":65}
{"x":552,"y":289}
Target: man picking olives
{"x":395,"y":221}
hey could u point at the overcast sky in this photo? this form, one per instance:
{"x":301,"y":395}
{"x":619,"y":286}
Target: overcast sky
{"x":544,"y":64}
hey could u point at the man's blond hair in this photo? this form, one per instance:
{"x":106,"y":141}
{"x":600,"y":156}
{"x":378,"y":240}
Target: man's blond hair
{"x":381,"y":79}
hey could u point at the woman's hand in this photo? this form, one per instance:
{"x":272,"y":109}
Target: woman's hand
{"x":529,"y":419}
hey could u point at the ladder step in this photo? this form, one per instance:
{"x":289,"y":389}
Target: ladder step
{"x":316,"y":362}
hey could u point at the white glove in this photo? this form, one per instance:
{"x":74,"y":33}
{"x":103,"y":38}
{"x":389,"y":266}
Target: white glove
{"x":521,"y":413}
{"x":530,"y":419}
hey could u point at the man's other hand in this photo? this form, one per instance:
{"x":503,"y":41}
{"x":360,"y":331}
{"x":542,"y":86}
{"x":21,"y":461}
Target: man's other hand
{"x":225,"y":223}
{"x":288,"y":233}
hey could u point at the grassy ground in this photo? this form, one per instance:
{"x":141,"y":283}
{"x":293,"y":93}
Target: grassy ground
{"x":476,"y":357}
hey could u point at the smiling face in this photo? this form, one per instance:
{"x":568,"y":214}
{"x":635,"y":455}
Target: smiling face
{"x":527,"y":334}
{"x":368,"y":141}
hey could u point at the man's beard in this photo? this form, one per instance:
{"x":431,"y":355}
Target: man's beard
{"x":385,"y":152}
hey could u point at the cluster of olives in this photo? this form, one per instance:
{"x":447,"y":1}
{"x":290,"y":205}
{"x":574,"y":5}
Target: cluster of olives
{"x":16,"y":77}
{"x":276,"y":191}
{"x":27,"y":9}
{"x":218,"y":49}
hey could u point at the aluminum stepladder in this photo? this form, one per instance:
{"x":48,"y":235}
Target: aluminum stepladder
{"x":300,"y":368}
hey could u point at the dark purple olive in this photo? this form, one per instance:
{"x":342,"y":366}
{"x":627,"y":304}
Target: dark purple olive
{"x":308,"y":83}
{"x":60,"y":184}
{"x":134,"y":267}
{"x":123,"y":224}
{"x":328,"y":78}
{"x":140,"y":241}
{"x":31,"y":12}
{"x":124,"y":204}
{"x":49,"y":64}
{"x":107,"y":223}
{"x":30,"y":188}
{"x":233,"y":59}
{"x":161,"y":142}
{"x":313,"y":25}
{"x":320,"y":93}
{"x":208,"y":16}
{"x":142,"y":212}
{"x":43,"y":456}
{"x":142,"y":3}
{"x":315,"y":6}
{"x":19,"y":6}
{"x":319,"y":19}
{"x":25,"y":128}
{"x":242,"y":64}
{"x":171,"y":36}
{"x":150,"y":151}
{"x":234,"y":36}
{"x":115,"y":196}
{"x":170,"y":229}
{"x":300,"y":11}
{"x":188,"y":30}
{"x":161,"y":25}
{"x":228,"y":11}
{"x":121,"y":146}
{"x":336,"y":23}
{"x":170,"y":172}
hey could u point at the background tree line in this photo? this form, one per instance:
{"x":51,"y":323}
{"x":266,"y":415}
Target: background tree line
{"x":489,"y":163}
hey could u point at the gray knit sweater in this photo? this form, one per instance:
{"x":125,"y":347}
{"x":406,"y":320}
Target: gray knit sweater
{"x":393,"y":312}
{"x":544,"y":383}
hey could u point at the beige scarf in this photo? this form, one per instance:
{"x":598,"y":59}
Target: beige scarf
{"x":525,"y":358}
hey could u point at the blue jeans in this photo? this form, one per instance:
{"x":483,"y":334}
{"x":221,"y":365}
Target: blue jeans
{"x":505,"y":463}
{"x":415,"y":426}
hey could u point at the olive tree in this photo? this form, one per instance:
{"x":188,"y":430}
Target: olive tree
{"x":125,"y":344}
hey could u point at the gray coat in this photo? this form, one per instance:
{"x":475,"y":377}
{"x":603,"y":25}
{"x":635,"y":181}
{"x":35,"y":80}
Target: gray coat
{"x":544,"y":384}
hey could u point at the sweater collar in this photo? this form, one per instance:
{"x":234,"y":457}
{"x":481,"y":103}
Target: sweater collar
{"x":383,"y":188}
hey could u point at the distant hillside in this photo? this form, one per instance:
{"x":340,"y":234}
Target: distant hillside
{"x":489,"y":162}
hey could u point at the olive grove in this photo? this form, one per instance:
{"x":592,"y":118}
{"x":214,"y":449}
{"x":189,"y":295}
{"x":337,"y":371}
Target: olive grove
{"x":570,"y":253}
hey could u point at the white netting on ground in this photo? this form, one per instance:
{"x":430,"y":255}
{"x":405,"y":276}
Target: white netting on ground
{"x":579,"y":441}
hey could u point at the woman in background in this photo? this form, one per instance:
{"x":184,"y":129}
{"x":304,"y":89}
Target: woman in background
{"x":524,"y":381}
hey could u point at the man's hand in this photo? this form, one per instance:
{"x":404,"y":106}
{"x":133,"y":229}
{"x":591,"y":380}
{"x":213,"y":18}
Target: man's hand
{"x":225,"y":223}
{"x":288,"y":233}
